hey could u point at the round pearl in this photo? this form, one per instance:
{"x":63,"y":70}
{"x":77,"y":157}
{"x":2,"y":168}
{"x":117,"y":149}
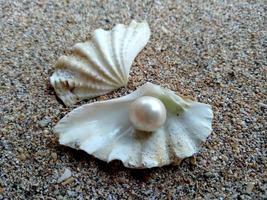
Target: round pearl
{"x":147,"y":113}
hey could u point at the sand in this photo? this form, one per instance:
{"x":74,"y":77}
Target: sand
{"x":214,"y":52}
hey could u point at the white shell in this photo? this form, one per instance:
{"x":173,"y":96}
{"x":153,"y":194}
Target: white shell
{"x":103,"y":129}
{"x":100,"y":65}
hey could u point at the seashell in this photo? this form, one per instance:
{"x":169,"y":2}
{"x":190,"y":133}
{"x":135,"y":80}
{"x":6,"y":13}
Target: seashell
{"x":100,"y":65}
{"x":150,"y":127}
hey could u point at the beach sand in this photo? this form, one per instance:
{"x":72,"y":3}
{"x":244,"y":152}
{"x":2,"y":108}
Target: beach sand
{"x":214,"y":52}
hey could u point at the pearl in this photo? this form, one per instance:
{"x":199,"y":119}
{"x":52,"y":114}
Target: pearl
{"x":147,"y":113}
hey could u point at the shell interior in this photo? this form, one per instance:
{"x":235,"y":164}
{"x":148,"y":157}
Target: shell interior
{"x":103,"y":130}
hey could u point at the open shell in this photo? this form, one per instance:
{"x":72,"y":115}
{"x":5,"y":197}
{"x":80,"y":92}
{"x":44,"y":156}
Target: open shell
{"x":100,"y":65}
{"x":103,"y":130}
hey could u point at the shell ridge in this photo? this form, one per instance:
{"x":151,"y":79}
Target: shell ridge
{"x":113,"y":62}
{"x":122,"y":51}
{"x":104,"y":147}
{"x":71,"y":63}
{"x":126,"y":64}
{"x":182,"y":142}
{"x":122,"y":142}
{"x":116,"y":139}
{"x":138,"y":40}
{"x":89,"y":83}
{"x":140,"y":153}
{"x":188,"y":131}
{"x":170,"y":145}
{"x":94,"y":59}
{"x":106,"y":58}
{"x":128,"y":34}
{"x":155,"y":150}
{"x":169,"y":149}
{"x":116,"y":44}
{"x":75,"y":90}
{"x":200,"y":126}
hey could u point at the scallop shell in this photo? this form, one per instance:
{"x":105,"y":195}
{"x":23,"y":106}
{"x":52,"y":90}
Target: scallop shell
{"x":100,"y":65}
{"x":103,"y":130}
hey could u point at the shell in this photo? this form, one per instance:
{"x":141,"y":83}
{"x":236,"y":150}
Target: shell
{"x":103,"y":130}
{"x":100,"y":65}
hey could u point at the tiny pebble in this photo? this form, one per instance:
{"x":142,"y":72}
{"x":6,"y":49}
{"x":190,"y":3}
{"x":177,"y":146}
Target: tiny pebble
{"x":250,"y":187}
{"x":54,"y":156}
{"x":193,"y":160}
{"x":4,"y":87}
{"x":44,"y":122}
{"x":64,"y":176}
{"x":165,"y":30}
{"x":22,"y":157}
{"x":60,"y":197}
{"x":20,"y":149}
{"x":263,"y":105}
{"x":68,"y":181}
{"x":71,"y":193}
{"x":209,"y":175}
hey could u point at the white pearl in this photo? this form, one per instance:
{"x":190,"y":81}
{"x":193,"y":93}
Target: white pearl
{"x":147,"y":113}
